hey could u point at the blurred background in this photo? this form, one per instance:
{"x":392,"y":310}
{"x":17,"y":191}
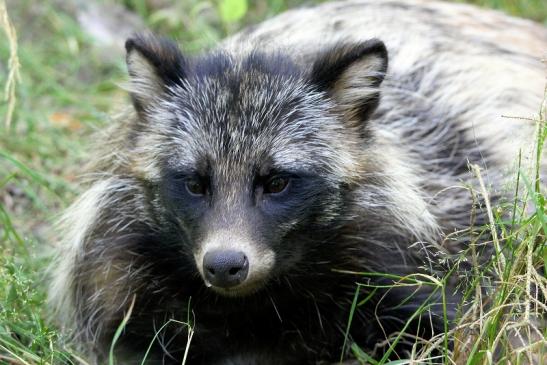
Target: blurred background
{"x":60,"y":63}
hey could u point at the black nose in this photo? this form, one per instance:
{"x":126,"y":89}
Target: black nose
{"x":225,"y":268}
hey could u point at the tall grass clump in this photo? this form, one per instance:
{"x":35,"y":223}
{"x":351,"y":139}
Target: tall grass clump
{"x":506,"y":323}
{"x":503,"y":319}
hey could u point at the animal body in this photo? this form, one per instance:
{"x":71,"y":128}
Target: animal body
{"x":247,"y":187}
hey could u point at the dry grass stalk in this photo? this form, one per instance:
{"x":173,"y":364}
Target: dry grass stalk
{"x":13,"y":63}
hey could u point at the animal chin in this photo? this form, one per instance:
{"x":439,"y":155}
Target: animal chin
{"x":244,"y":289}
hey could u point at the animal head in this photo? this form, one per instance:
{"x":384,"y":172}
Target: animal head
{"x":252,"y":155}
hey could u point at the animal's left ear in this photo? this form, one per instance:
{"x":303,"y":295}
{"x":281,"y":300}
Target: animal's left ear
{"x":351,"y":74}
{"x":155,"y":64}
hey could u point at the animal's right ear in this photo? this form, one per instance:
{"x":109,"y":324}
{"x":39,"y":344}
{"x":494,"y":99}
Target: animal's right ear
{"x":154,"y":65}
{"x":351,"y":74}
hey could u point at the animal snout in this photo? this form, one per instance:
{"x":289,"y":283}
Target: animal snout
{"x":225,"y":268}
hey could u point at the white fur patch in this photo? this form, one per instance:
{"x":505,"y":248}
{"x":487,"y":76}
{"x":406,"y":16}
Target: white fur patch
{"x":261,"y":259}
{"x":73,"y":227}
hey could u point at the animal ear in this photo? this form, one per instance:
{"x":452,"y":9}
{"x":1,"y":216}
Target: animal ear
{"x":351,"y":74}
{"x":154,"y":65}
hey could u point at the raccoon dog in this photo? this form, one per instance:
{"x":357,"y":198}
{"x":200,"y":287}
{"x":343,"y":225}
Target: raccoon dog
{"x":248,"y":189}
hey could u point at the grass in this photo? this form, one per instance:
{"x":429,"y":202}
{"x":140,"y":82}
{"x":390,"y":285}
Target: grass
{"x":533,"y":9}
{"x":59,"y":89}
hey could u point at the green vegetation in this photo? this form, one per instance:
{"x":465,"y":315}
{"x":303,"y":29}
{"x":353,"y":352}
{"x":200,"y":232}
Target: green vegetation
{"x":65,"y":88}
{"x":533,"y":9}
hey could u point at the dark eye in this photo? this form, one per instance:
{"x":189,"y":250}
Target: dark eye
{"x":195,"y":187}
{"x":276,"y":185}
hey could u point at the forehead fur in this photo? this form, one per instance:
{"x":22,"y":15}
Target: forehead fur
{"x":240,"y":113}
